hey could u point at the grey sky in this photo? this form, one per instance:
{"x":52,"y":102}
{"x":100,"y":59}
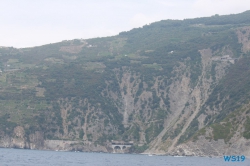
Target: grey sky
{"x":26,"y":23}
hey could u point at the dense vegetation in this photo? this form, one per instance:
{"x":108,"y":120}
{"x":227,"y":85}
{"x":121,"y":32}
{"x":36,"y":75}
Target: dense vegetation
{"x":82,"y":76}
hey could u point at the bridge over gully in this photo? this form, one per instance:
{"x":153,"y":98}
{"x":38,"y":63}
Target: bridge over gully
{"x":116,"y":145}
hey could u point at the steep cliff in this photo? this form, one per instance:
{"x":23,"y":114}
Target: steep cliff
{"x":172,"y":87}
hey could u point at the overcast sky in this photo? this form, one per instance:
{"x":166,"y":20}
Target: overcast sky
{"x":27,"y":23}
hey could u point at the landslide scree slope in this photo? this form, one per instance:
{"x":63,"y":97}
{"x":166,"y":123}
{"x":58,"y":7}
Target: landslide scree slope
{"x":170,"y":87}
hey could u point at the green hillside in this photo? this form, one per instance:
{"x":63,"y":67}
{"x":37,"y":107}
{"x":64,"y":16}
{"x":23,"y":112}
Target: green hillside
{"x":130,"y":87}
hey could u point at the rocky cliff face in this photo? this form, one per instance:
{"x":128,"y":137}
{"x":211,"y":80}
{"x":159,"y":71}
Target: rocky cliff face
{"x":226,"y":137}
{"x":228,"y":142}
{"x":179,"y":98}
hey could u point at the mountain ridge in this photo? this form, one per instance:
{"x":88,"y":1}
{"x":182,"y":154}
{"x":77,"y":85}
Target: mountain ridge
{"x":171,"y":87}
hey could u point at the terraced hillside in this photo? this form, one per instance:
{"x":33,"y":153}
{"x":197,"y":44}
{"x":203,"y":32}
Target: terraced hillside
{"x":171,"y":87}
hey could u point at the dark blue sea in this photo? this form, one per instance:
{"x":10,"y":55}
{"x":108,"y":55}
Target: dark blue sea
{"x":21,"y":157}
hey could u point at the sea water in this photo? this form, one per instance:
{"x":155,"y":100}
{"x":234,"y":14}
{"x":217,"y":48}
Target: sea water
{"x":22,"y":157}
